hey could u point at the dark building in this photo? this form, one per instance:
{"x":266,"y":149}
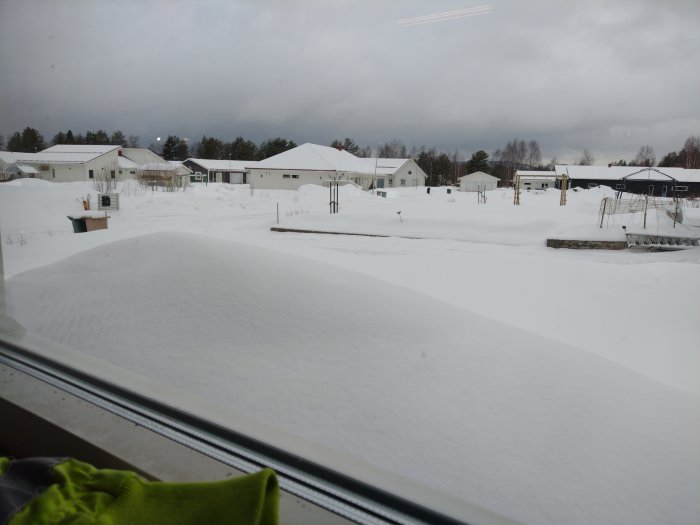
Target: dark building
{"x":228,"y":171}
{"x":659,"y":182}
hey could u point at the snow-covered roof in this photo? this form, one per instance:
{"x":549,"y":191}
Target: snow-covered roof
{"x":478,"y":175}
{"x":225,"y":165}
{"x":58,"y":158}
{"x":618,"y":172}
{"x":97,"y":149}
{"x":59,"y":154}
{"x":536,"y":173}
{"x":141,"y":155}
{"x":125,"y":163}
{"x":158,"y":166}
{"x":10,"y":157}
{"x":313,"y":157}
{"x":23,"y":168}
{"x":180,"y":167}
{"x":381,"y":166}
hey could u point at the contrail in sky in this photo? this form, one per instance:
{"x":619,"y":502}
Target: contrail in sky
{"x":442,"y":17}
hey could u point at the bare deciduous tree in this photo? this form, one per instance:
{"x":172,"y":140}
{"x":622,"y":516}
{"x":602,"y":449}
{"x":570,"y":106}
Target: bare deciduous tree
{"x":645,"y":156}
{"x":392,"y":150}
{"x":106,"y":179}
{"x":509,"y":159}
{"x":690,"y":154}
{"x":587,"y":159}
{"x":534,"y":155}
{"x":161,"y":176}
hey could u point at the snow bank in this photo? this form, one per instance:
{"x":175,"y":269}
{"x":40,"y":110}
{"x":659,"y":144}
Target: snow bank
{"x":527,"y":427}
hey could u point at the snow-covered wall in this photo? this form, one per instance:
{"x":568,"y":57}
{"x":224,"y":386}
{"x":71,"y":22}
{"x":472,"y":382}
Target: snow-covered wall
{"x":287,"y":179}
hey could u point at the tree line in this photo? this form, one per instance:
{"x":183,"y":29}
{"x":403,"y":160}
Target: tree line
{"x":441,"y":168}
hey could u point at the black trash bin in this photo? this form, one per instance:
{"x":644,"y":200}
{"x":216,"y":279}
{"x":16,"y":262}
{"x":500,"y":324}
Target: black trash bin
{"x":449,"y":191}
{"x":79,"y":225}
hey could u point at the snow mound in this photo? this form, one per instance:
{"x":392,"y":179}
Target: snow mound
{"x":29,"y":183}
{"x":524,"y":426}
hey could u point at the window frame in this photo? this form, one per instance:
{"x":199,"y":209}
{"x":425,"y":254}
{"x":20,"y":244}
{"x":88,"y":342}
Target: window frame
{"x":331,"y":490}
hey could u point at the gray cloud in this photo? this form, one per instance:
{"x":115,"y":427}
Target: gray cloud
{"x":604,"y":76}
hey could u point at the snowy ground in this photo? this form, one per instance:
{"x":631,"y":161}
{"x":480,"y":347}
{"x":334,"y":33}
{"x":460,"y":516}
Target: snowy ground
{"x":549,"y":386}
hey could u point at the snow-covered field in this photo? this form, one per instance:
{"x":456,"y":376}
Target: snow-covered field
{"x":547,"y":386}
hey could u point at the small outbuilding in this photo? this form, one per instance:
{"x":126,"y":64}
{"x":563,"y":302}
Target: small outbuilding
{"x":478,"y":181}
{"x":226,"y":171}
{"x":537,"y":180}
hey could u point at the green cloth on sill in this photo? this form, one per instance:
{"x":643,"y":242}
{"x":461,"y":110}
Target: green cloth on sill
{"x":84,"y":495}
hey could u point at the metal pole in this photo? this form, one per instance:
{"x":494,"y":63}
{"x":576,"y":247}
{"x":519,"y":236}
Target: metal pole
{"x":646,"y":204}
{"x":278,"y":213}
{"x":675,"y":213}
{"x":602,"y":215}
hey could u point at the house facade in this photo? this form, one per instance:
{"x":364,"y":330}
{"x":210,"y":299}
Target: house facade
{"x":478,"y":181}
{"x":537,"y":180}
{"x":79,"y":163}
{"x":73,"y":162}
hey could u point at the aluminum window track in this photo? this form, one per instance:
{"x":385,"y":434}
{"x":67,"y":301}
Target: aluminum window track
{"x":352,"y":499}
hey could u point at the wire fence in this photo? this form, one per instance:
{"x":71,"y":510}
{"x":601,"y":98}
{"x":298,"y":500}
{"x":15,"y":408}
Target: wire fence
{"x":612,"y":206}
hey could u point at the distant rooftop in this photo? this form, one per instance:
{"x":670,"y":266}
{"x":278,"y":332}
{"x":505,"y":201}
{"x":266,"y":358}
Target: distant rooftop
{"x":618,"y":172}
{"x":315,"y":157}
{"x":225,"y":165}
{"x":80,"y":148}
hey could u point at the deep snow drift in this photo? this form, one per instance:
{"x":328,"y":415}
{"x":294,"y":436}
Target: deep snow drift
{"x":551,"y":386}
{"x":524,"y":426}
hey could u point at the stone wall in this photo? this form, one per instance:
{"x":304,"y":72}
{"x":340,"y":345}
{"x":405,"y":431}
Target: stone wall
{"x":586,"y":245}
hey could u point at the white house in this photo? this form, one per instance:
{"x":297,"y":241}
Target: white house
{"x":79,"y":162}
{"x":315,"y":164}
{"x":72,"y":162}
{"x":536,"y":180}
{"x":478,"y":181}
{"x":389,"y":173}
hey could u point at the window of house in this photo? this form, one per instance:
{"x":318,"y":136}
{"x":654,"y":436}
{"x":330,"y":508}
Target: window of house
{"x":132,"y":172}
{"x":295,"y":176}
{"x":112,"y":174}
{"x":91,"y":174}
{"x":403,"y":182}
{"x":286,"y":176}
{"x":681,"y":188}
{"x":53,"y":173}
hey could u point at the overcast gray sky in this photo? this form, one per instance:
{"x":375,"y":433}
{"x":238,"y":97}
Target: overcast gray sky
{"x":608,"y":76}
